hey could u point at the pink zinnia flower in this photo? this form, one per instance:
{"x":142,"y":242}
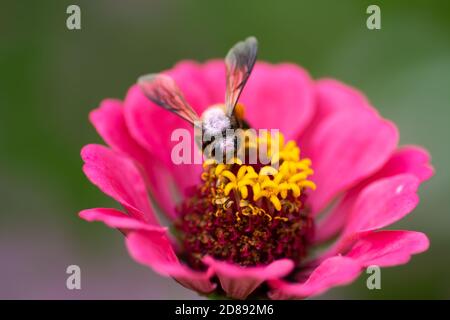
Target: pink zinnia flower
{"x":240,"y":233}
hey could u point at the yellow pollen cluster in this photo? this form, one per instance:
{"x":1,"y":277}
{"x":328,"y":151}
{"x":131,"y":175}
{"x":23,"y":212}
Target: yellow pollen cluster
{"x":287,"y":175}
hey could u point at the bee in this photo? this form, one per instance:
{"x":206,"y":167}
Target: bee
{"x":217,"y":122}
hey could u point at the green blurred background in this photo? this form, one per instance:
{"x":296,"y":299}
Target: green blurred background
{"x":52,"y":77}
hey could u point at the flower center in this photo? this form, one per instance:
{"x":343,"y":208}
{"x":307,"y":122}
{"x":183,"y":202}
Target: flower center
{"x":250,"y":214}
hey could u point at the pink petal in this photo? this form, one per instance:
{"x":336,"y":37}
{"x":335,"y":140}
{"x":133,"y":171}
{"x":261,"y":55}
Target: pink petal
{"x":109,"y":121}
{"x":150,"y":246}
{"x":118,"y":177}
{"x":279,"y":97}
{"x":345,"y":148}
{"x":334,"y":96}
{"x":154,"y":250}
{"x":331,"y":97}
{"x":152,"y":127}
{"x":117,"y":219}
{"x":408,"y":159}
{"x":382,"y":248}
{"x":213,"y":72}
{"x":335,"y":271}
{"x":388,"y":248}
{"x":378,"y":205}
{"x":162,"y":186}
{"x":383,"y":202}
{"x":190,"y":78}
{"x":238,"y":282}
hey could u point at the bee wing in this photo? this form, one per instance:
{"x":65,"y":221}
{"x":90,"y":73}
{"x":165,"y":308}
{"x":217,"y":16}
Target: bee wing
{"x":163,"y":91}
{"x":239,"y":64}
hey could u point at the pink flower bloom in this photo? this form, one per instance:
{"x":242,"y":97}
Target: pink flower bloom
{"x":357,"y":165}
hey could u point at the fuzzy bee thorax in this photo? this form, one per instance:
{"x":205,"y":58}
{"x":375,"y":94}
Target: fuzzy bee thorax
{"x":215,"y":121}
